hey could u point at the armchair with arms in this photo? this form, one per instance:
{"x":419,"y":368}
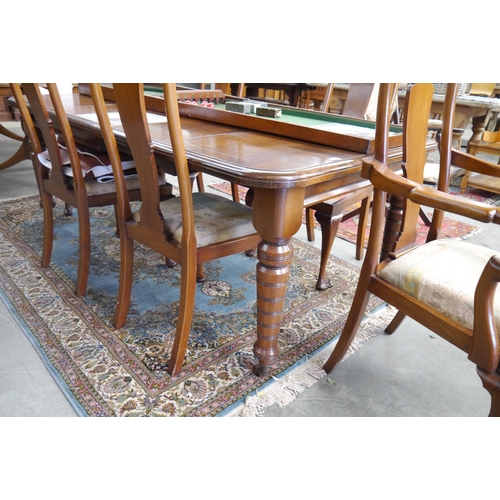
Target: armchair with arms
{"x":447,"y":285}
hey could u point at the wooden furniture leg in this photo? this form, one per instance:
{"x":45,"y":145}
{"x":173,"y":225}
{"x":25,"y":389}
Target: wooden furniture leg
{"x":425,"y":218}
{"x":363,"y":222}
{"x":11,"y":135}
{"x":329,"y":227}
{"x":362,"y":294}
{"x":23,"y":153}
{"x":277,"y":217}
{"x":310,"y":224}
{"x":234,"y":192}
{"x":491,"y":382}
{"x":200,"y":183}
{"x":392,"y":226}
{"x":396,"y":321}
{"x":479,"y":126}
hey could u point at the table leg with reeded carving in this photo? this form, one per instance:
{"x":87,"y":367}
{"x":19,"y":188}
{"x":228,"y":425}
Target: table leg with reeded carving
{"x":277,"y":217}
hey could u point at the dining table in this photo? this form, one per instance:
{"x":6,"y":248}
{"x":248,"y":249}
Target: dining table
{"x":283,"y":166}
{"x":468,"y":107}
{"x":481,"y":111}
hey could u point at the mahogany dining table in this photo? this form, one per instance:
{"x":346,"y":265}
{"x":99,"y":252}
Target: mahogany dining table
{"x":283,"y":173}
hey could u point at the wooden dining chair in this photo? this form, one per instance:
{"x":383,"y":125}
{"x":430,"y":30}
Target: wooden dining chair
{"x":341,"y":204}
{"x":55,"y":182}
{"x":482,"y":89}
{"x":321,"y":94}
{"x":447,"y":285}
{"x":356,"y":104}
{"x":189,"y":230}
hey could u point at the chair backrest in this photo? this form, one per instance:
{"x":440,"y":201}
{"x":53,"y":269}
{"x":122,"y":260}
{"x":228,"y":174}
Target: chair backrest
{"x":491,"y":137}
{"x":358,"y":98}
{"x":130,"y":101}
{"x":325,"y":104}
{"x":482,"y":89}
{"x":417,"y":107}
{"x":28,"y":124}
{"x":46,"y":126}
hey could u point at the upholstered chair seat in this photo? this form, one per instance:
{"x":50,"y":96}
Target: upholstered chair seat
{"x":443,"y":274}
{"x":216,"y":218}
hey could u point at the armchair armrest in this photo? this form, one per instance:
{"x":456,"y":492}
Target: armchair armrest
{"x":474,"y":164}
{"x":384,"y":179}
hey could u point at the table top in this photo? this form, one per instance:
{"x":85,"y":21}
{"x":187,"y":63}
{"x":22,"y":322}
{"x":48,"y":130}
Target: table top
{"x":466,"y":100}
{"x":246,"y":157}
{"x":326,"y":129}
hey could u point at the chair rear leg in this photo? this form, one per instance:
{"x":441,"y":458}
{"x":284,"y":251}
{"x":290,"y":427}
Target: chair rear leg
{"x":235,"y":192}
{"x":117,"y":220}
{"x":396,"y":321}
{"x":329,"y":227}
{"x":363,"y":221}
{"x":310,"y":224}
{"x":48,"y":227}
{"x":82,"y":275}
{"x":125,"y":283}
{"x":491,"y":382}
{"x":200,"y":183}
{"x":185,"y":317}
{"x":200,"y":273}
{"x":68,"y":210}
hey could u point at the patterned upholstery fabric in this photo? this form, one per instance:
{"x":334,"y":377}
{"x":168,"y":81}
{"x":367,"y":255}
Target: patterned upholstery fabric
{"x":443,"y":274}
{"x":215,"y":218}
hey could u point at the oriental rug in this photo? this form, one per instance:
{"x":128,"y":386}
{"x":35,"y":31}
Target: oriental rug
{"x":348,"y":229}
{"x":122,"y":372}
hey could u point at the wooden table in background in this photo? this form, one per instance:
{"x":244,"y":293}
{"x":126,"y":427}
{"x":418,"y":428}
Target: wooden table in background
{"x":467,"y":107}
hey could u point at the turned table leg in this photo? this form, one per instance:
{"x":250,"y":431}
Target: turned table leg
{"x":277,"y":217}
{"x":479,"y":126}
{"x":273,"y":271}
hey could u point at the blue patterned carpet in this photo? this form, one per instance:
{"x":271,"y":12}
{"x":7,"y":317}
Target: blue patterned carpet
{"x":108,"y":372}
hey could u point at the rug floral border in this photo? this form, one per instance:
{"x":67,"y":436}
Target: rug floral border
{"x":65,"y":326}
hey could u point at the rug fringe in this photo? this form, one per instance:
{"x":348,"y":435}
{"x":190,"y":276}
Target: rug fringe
{"x":285,"y":389}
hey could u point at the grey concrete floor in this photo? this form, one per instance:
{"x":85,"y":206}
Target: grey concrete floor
{"x":412,"y":373}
